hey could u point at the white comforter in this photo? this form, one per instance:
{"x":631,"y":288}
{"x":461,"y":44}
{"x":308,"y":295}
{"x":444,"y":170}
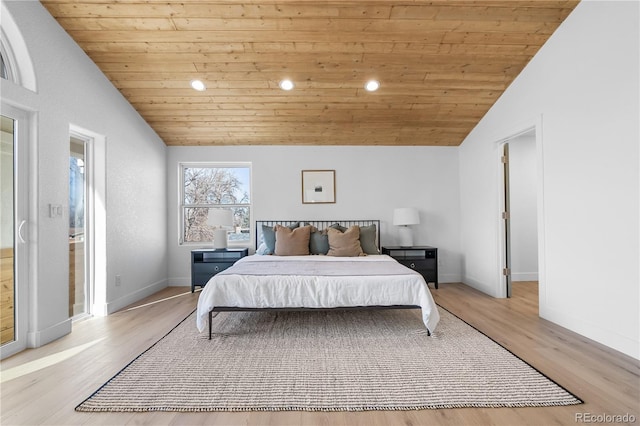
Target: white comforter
{"x":316,"y":291}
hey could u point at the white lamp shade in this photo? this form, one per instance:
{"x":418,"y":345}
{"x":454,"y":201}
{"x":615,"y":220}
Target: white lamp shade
{"x":405,"y":216}
{"x":220,"y":218}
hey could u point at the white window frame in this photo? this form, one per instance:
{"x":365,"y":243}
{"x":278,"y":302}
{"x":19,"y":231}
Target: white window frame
{"x":182,"y":206}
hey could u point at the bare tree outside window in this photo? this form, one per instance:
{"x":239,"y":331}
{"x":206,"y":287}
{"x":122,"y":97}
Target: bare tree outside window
{"x":216,"y":187}
{"x":3,"y":68}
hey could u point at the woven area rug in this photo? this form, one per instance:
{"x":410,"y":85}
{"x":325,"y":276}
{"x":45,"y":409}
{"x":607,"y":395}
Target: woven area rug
{"x":325,"y":361}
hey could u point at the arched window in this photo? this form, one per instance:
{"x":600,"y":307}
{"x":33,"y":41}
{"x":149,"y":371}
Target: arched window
{"x":8,"y":67}
{"x":17,"y":66}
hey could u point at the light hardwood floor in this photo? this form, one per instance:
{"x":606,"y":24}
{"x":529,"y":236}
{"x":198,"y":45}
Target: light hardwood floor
{"x":42,"y":386}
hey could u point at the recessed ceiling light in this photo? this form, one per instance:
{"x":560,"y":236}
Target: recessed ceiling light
{"x":372,"y":85}
{"x":286,"y":84}
{"x":198,"y":85}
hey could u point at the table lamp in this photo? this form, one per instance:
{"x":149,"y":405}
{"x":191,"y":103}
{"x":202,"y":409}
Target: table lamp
{"x":405,"y":217}
{"x":221,"y":220}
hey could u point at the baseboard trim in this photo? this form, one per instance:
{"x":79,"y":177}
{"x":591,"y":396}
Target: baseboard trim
{"x":38,"y":338}
{"x":449,"y":278}
{"x":524,"y":276}
{"x":180,"y":282}
{"x":124,"y":301}
{"x":591,"y":330}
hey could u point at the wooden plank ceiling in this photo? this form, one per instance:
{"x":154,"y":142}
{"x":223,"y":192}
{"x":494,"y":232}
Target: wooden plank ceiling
{"x":441,"y":65}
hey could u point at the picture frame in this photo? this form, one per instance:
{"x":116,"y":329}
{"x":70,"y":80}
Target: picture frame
{"x":318,"y":186}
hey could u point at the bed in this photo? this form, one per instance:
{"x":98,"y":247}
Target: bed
{"x":286,"y":278}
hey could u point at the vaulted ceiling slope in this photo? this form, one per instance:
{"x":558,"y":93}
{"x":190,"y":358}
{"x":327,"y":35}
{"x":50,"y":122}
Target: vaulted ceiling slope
{"x":441,"y":65}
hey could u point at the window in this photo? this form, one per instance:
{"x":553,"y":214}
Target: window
{"x":7,"y":60}
{"x":208,"y":186}
{"x":3,"y":68}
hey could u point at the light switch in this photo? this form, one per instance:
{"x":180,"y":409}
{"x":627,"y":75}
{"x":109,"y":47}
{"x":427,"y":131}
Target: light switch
{"x":55,"y":210}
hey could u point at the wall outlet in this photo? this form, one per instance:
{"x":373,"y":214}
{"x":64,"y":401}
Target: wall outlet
{"x":118,"y":280}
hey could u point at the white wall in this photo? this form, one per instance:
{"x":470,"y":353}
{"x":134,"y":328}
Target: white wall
{"x":582,"y":90}
{"x":523,"y":208}
{"x":370,"y":183}
{"x":72,"y":91}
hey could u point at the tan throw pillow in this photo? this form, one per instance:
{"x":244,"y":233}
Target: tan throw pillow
{"x":292,"y":242}
{"x":345,"y":243}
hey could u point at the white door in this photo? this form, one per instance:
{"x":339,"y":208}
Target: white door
{"x":14,"y":232}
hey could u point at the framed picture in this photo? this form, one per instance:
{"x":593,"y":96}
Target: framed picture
{"x":318,"y":186}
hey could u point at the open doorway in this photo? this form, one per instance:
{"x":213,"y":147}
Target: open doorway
{"x":78,"y":237}
{"x":93,"y":145}
{"x":520,"y":214}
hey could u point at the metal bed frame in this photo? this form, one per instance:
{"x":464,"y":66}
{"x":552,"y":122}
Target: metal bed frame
{"x":320,"y":224}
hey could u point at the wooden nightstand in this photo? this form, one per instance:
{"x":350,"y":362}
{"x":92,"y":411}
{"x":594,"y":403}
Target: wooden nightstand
{"x":424,"y":259}
{"x":205,"y":263}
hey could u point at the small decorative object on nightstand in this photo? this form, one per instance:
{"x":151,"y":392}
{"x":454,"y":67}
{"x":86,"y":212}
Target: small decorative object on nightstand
{"x":424,"y":259}
{"x":205,"y":263}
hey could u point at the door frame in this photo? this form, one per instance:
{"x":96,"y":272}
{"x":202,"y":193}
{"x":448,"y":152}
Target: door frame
{"x":95,"y":219}
{"x":88,"y":222}
{"x":535,"y":125}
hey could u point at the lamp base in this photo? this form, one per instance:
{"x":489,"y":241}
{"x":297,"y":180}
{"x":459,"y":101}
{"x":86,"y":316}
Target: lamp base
{"x":406,"y":236}
{"x":220,"y":239}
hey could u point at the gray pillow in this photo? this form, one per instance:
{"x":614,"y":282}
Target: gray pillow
{"x":269,"y":237}
{"x":368,"y":236}
{"x":338,"y":227}
{"x":319,"y":241}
